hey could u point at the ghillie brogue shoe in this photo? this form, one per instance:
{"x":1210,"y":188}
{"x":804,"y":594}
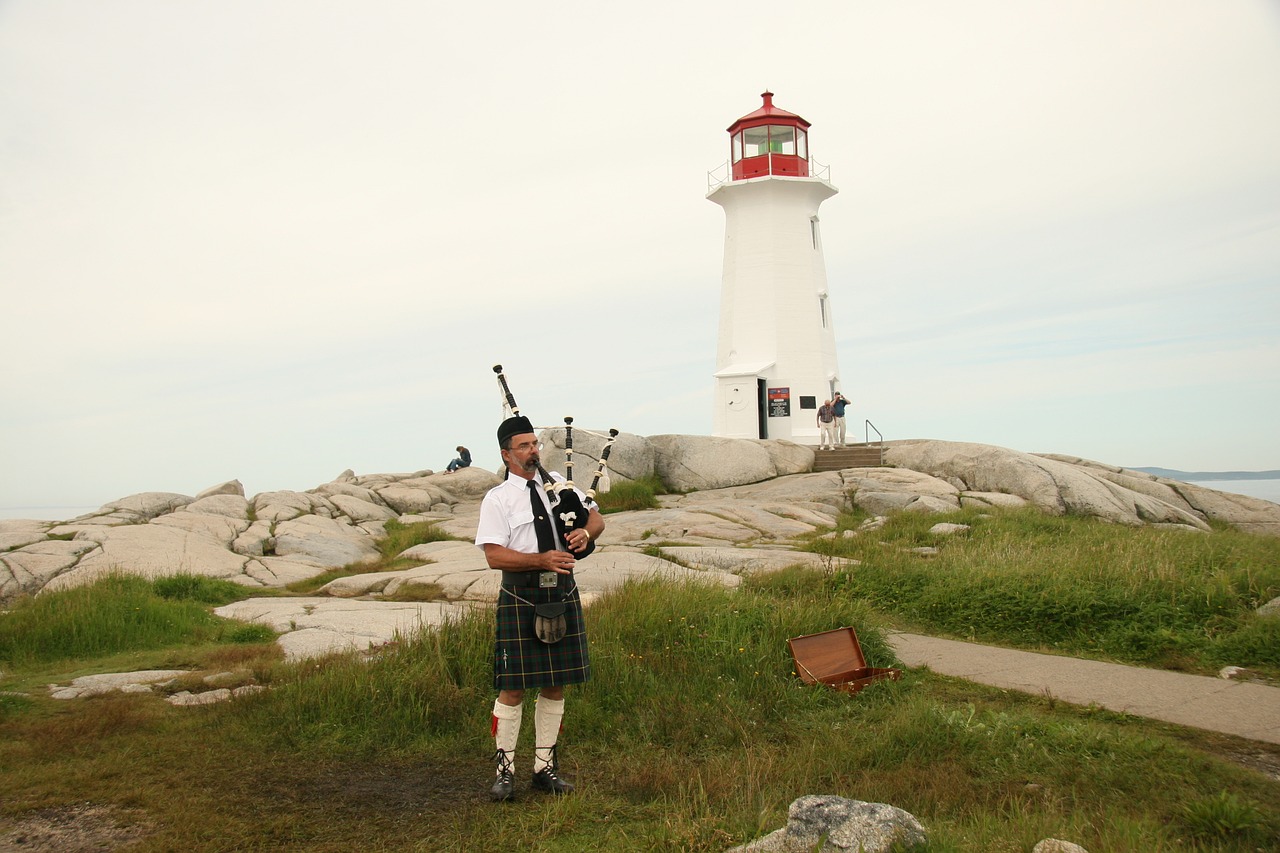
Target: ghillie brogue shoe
{"x":504,"y":787}
{"x":548,"y":780}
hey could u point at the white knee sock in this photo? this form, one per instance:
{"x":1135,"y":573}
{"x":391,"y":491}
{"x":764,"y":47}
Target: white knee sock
{"x":506,"y":730}
{"x":547,"y":714}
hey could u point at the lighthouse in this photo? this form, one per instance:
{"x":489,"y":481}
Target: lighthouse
{"x":776,"y":354}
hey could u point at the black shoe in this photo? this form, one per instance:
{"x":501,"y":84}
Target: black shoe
{"x":547,"y":780}
{"x":504,"y":787}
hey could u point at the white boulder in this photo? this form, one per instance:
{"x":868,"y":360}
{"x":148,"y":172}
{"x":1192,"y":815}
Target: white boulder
{"x":231,"y":487}
{"x":835,"y":823}
{"x":324,"y":541}
{"x":285,"y":505}
{"x":148,"y":505}
{"x":129,"y":682}
{"x":150,"y":551}
{"x":16,"y":533}
{"x":685,"y":463}
{"x":632,"y":456}
{"x":231,"y":506}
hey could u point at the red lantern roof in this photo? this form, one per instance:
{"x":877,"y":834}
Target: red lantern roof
{"x":769,"y":141}
{"x":768,"y":114}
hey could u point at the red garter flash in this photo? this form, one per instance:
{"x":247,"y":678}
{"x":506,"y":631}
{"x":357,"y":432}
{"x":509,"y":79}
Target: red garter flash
{"x":494,"y":732}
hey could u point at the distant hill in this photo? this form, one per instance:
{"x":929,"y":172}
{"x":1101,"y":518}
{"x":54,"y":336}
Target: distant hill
{"x":1193,"y":476}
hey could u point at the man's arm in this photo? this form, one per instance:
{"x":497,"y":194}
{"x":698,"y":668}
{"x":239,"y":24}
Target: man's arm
{"x":501,"y":557}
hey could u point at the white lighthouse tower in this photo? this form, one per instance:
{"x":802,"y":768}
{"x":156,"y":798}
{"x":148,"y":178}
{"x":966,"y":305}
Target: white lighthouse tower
{"x":776,"y":356}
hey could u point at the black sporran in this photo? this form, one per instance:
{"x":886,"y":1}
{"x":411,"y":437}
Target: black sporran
{"x":549,"y":622}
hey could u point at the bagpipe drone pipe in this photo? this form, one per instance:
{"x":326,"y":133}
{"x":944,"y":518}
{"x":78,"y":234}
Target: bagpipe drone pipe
{"x":567,"y":509}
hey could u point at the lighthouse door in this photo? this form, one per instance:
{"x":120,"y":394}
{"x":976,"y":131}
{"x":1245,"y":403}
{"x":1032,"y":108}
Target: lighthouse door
{"x":762,"y":407}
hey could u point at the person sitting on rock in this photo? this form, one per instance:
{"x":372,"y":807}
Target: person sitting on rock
{"x":463,"y":460}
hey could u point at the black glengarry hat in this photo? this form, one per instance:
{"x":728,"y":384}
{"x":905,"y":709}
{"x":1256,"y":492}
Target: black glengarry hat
{"x":517,"y":425}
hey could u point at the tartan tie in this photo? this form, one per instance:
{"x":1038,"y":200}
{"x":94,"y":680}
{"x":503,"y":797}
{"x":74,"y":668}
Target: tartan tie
{"x":541,"y":523}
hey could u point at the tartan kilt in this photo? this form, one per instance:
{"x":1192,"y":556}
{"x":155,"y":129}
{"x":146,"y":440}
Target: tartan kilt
{"x":521,"y":660}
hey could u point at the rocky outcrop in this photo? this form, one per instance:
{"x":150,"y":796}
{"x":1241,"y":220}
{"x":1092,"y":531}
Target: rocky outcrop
{"x":1251,"y":515}
{"x":1068,"y":485}
{"x":835,"y":823}
{"x":126,"y":682}
{"x":687,"y":463}
{"x":271,"y":540}
{"x":737,"y":494}
{"x":632,"y":456}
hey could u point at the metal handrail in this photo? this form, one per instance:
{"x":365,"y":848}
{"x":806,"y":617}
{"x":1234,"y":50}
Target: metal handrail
{"x":868,"y":426}
{"x":714,"y":179}
{"x":723,"y":174}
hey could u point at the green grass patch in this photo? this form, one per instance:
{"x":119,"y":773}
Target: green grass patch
{"x":1226,"y":817}
{"x":417,"y":591}
{"x":200,"y":589}
{"x":692,"y":735}
{"x":1171,"y":599}
{"x":114,"y":615}
{"x":631,"y":495}
{"x":401,"y":537}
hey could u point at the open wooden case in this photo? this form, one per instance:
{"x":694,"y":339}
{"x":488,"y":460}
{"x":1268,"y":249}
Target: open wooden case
{"x":834,"y":658}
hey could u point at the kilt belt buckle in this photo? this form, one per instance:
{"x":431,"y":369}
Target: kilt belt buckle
{"x":548,"y":580}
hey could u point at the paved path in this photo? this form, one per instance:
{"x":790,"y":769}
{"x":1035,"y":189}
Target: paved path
{"x":1232,"y":707}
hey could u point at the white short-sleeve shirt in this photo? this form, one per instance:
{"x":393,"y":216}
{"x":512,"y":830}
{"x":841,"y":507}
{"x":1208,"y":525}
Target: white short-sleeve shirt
{"x":506,"y":516}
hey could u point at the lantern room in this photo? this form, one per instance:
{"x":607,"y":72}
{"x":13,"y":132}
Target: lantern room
{"x":769,"y":141}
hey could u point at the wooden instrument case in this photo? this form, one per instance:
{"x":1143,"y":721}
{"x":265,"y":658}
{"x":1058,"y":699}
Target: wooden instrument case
{"x":834,"y":658}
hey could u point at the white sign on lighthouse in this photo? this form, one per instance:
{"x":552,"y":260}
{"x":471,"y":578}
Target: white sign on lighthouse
{"x":776,"y":356}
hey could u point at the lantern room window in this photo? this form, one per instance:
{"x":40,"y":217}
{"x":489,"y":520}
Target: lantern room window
{"x":782,"y":140}
{"x":755,"y":141}
{"x":770,"y":139}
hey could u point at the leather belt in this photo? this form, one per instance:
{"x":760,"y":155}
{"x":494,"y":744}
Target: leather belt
{"x":528,"y":580}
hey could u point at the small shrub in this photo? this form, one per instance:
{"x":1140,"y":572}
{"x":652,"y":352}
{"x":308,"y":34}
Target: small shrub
{"x":248,"y":632}
{"x":401,"y":537}
{"x":1224,"y":816}
{"x":631,"y":495}
{"x":417,"y":591}
{"x":205,"y":590}
{"x":1255,"y":639}
{"x":11,"y":705}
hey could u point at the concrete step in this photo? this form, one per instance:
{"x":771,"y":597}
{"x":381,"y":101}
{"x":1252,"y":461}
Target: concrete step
{"x":852,"y":456}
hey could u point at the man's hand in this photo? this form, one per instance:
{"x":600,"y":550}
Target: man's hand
{"x":578,"y":540}
{"x":560,"y":562}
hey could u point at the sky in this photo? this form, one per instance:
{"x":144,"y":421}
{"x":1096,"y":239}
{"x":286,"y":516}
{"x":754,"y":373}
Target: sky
{"x":271,"y":240}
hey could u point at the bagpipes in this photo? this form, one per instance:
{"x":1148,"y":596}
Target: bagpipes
{"x":567,"y":508}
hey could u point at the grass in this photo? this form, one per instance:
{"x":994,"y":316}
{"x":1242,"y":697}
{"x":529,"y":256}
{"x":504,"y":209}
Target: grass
{"x":121,"y":614}
{"x":631,"y":495}
{"x":1168,"y":599}
{"x":693,"y":734}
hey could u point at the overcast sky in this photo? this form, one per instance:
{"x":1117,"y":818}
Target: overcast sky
{"x":273,"y":240}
